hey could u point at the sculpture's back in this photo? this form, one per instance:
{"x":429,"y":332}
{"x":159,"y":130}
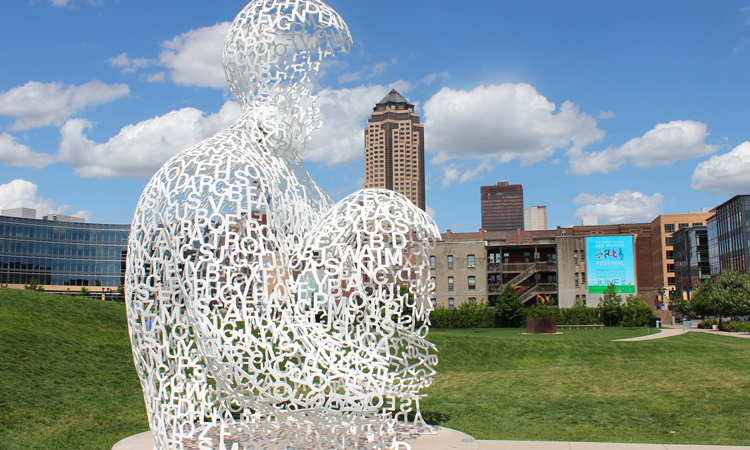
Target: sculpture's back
{"x":222,"y":249}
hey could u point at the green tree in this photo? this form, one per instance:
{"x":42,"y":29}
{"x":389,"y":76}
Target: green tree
{"x":677,"y":302}
{"x":509,"y":308}
{"x":728,"y":296}
{"x":636,"y":313}
{"x":610,"y":306}
{"x":84,"y":292}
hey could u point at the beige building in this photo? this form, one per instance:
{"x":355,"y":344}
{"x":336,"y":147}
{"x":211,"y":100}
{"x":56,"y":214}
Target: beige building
{"x":663,"y":252}
{"x":394,"y":149}
{"x":459,"y":273}
{"x":535,"y":218}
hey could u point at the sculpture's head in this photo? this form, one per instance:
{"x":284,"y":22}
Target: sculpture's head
{"x":272,"y":52}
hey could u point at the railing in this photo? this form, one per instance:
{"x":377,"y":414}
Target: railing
{"x":529,"y":294}
{"x":518,"y":279}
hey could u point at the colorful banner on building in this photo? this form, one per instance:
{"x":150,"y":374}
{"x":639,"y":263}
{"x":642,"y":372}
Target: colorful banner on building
{"x":610,"y":259}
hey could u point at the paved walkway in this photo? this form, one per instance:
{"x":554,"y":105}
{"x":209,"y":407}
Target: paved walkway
{"x":676,"y":330}
{"x":448,"y":439}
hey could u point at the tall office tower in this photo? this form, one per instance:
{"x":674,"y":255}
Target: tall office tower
{"x":394,"y":149}
{"x":502,"y":207}
{"x":535,"y":218}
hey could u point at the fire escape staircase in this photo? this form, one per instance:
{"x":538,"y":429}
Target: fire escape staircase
{"x":523,"y":276}
{"x":529,"y":294}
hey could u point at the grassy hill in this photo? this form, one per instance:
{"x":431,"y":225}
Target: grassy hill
{"x":67,"y":382}
{"x":67,"y":379}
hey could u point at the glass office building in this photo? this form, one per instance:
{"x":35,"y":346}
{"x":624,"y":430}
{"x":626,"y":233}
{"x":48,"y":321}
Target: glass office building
{"x":61,"y":254}
{"x":733,"y":235}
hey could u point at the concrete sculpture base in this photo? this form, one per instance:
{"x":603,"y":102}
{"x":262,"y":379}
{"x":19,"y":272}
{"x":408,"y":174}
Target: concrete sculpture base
{"x":444,"y":439}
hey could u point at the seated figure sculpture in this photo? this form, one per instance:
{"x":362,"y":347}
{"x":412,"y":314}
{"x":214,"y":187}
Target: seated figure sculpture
{"x":262,"y":315}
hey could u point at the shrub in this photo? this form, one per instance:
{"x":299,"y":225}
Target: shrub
{"x":508,"y":308}
{"x":580,"y":315}
{"x":84,"y":292}
{"x":34,"y":286}
{"x":635,"y":312}
{"x":708,"y":324}
{"x":738,"y":326}
{"x":538,"y":312}
{"x":467,"y":315}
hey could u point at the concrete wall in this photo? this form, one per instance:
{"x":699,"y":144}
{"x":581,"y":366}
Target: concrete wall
{"x":460,"y":272}
{"x":567,"y":268}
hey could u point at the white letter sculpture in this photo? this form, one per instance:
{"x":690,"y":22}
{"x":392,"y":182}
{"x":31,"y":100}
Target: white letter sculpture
{"x":260,"y":314}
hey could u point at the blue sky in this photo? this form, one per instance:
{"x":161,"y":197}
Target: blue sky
{"x":621,"y":110}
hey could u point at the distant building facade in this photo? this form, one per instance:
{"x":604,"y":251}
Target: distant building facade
{"x":61,"y":252}
{"x":729,"y":236}
{"x":691,"y":262}
{"x":502,"y":207}
{"x":535,"y":218}
{"x":543,"y":266}
{"x":662,"y":240}
{"x":394,"y":149}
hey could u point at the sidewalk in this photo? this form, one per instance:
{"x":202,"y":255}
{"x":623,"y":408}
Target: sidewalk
{"x":541,"y":445}
{"x":448,"y":439}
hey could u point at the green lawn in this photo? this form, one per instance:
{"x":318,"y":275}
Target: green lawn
{"x":67,"y":382}
{"x":67,"y":379}
{"x":580,"y":386}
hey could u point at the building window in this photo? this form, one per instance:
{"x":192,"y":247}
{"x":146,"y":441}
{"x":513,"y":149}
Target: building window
{"x":670,"y":254}
{"x":583,"y":297}
{"x":472,"y":300}
{"x":472,"y":282}
{"x":575,"y":256}
{"x":470,"y":261}
{"x":669,"y":228}
{"x":450,"y":261}
{"x":670,"y":268}
{"x":583,"y":277}
{"x":432,"y":283}
{"x":434,"y":302}
{"x":576,"y":279}
{"x":669,"y":240}
{"x":670,"y":281}
{"x":450,"y":283}
{"x":697,"y":224}
{"x":450,"y":303}
{"x":578,"y":300}
{"x":432,"y":262}
{"x":684,"y":225}
{"x":526,"y":257}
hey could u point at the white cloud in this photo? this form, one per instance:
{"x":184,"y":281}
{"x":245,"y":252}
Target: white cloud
{"x":23,"y":194}
{"x":502,"y":123}
{"x":194,"y":58}
{"x":624,"y":207}
{"x":42,"y":104}
{"x":457,"y":173}
{"x":19,"y":155}
{"x":71,"y":3}
{"x":728,"y":173}
{"x":434,"y":76}
{"x":344,"y":112}
{"x":157,"y":77}
{"x":139,"y":150}
{"x":665,"y":144}
{"x":126,"y":64}
{"x":606,"y":114}
{"x":430,"y":211}
{"x":382,"y":66}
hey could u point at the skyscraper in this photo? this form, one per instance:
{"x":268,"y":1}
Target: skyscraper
{"x":394,"y":149}
{"x":502,"y":207}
